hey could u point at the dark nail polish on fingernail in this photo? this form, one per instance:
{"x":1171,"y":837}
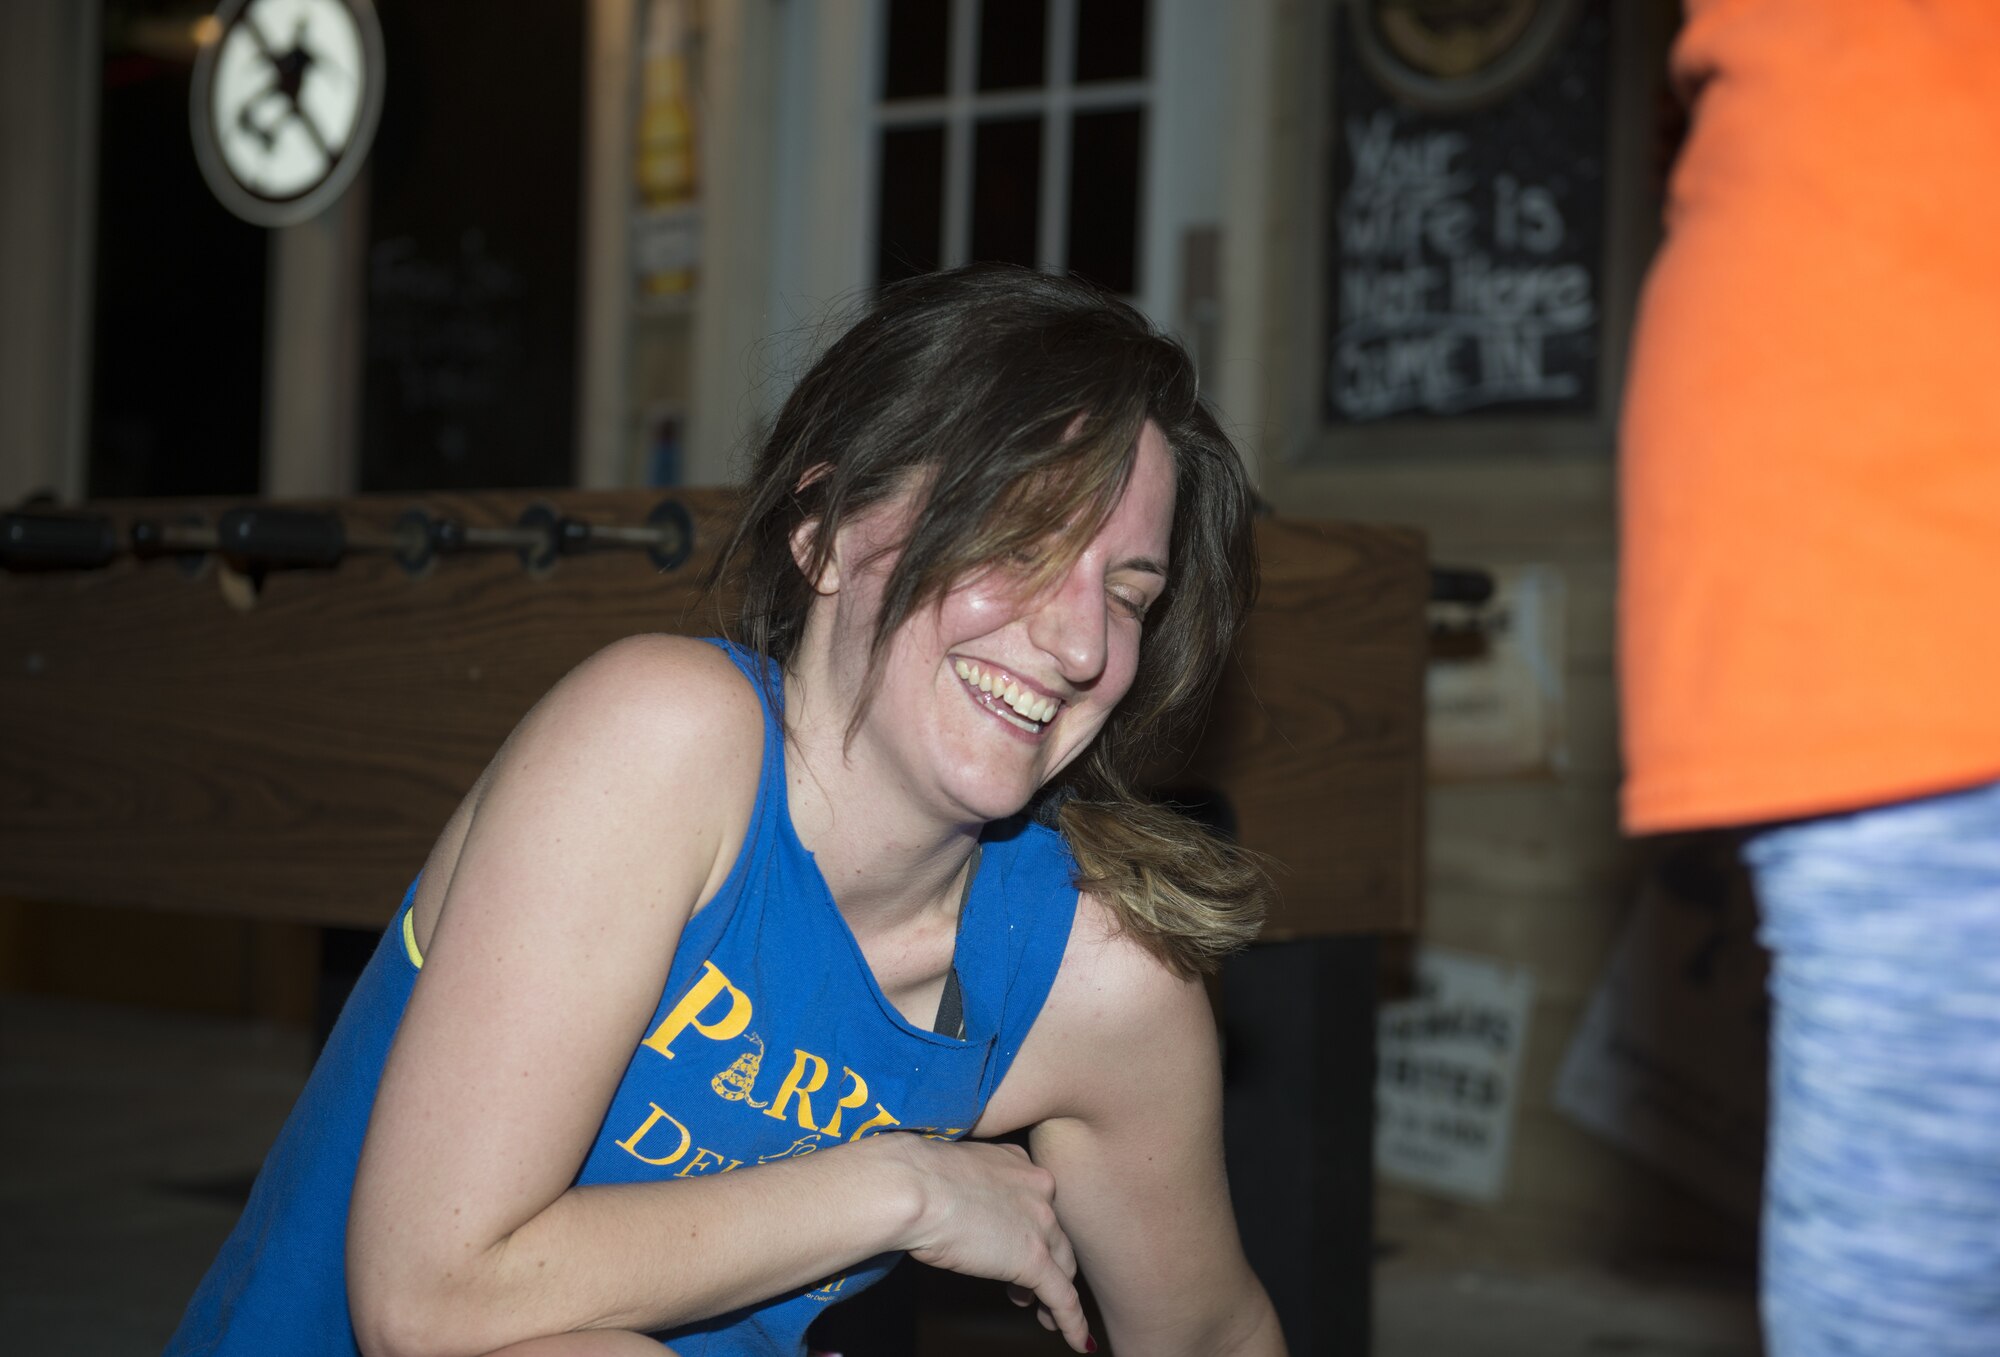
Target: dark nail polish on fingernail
{"x":1089,"y":1343}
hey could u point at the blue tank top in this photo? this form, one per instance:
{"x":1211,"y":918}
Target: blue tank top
{"x":770,"y":1040}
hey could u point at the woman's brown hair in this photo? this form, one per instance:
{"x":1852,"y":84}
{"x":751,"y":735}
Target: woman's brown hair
{"x":1014,"y":399}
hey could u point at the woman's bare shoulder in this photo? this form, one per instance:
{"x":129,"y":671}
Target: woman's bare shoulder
{"x":668,"y":682}
{"x":647,"y":704}
{"x":1113,"y":982}
{"x":648,"y":733}
{"x":652,"y":724}
{"x":1115,"y":1010}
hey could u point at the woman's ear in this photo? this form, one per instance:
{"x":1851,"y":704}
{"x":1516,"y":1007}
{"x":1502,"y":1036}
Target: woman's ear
{"x":805,"y":540}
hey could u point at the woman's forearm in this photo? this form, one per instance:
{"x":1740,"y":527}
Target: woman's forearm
{"x":646,"y":1256}
{"x":589,"y":1343}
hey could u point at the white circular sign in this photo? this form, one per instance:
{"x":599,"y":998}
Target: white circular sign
{"x":287,"y":94}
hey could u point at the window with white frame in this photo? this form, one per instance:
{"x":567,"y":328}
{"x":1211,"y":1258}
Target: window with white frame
{"x":1013,"y":131}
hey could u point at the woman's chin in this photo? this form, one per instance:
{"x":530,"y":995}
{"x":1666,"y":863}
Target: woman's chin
{"x":989,"y":801}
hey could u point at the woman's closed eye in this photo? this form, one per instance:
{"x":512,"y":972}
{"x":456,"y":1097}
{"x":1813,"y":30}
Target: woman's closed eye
{"x":1132,"y":602}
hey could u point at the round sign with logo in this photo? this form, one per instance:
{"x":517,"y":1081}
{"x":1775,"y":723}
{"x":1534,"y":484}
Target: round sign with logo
{"x":287,"y":94}
{"x":1452,"y":54}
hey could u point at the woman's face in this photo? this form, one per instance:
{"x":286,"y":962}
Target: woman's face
{"x":984,"y":698}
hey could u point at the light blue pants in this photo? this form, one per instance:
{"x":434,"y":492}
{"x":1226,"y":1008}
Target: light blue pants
{"x":1882,"y":1192}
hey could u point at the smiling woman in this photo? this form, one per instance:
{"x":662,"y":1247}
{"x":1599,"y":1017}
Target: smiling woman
{"x":1017,"y":406}
{"x":993,"y":553}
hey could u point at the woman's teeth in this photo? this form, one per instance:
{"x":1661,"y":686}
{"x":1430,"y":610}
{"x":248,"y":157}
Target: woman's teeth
{"x":1031,"y":707}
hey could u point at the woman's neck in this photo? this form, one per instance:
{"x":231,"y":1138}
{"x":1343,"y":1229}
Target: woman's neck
{"x":886,"y":858}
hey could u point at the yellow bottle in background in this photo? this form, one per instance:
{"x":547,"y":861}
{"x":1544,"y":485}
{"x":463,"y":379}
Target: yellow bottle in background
{"x":665,"y":247}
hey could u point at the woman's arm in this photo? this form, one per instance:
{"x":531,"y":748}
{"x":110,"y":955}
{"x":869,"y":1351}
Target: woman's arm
{"x":611,"y":812}
{"x":1134,"y":1074}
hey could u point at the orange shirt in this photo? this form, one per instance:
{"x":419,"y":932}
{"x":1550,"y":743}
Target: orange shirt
{"x":1810,"y":581}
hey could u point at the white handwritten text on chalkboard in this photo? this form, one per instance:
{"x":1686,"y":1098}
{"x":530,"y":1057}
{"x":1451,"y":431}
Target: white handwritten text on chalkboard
{"x":1450,"y":285}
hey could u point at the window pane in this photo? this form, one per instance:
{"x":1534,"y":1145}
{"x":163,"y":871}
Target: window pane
{"x":1104,"y":197}
{"x":917,"y":62}
{"x":1006,"y":190}
{"x":1110,"y":40}
{"x":910,"y":207}
{"x":1013,"y":36}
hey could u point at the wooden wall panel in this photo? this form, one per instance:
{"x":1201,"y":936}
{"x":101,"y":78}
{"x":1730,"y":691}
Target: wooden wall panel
{"x":294,"y":759}
{"x":1317,"y":730}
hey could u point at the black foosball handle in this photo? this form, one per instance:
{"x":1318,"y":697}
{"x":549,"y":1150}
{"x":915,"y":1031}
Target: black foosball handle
{"x":282,"y":537}
{"x":32,"y":541}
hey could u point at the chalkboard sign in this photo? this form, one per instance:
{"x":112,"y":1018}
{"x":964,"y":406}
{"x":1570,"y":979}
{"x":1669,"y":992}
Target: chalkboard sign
{"x":1466,"y":251}
{"x":470,"y":361}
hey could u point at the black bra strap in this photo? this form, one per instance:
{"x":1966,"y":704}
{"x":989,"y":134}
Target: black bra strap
{"x":951,"y":1006}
